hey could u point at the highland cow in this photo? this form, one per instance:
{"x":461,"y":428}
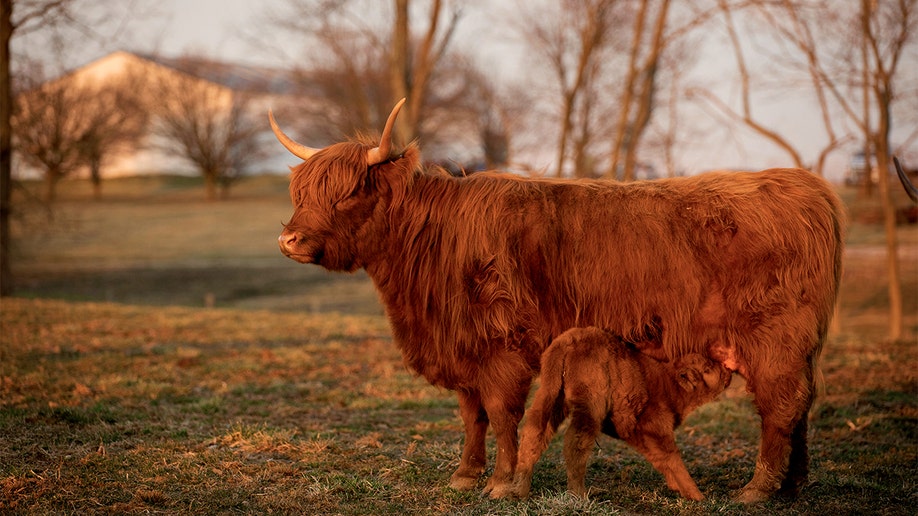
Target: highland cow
{"x":602,"y":385}
{"x":478,"y":274}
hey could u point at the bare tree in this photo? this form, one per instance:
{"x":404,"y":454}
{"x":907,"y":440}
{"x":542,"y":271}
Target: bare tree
{"x":885,"y":32}
{"x":573,"y":39}
{"x":471,"y":114}
{"x":116,"y":121}
{"x":412,"y":65}
{"x":208,"y":125}
{"x":745,"y":115}
{"x":357,"y":66}
{"x":21,"y":19}
{"x":591,"y":59}
{"x":350,"y":76}
{"x":638,"y":92}
{"x":47,"y":130}
{"x":16,"y":17}
{"x":64,"y":124}
{"x":803,"y":26}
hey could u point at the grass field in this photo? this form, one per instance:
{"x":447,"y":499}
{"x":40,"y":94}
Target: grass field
{"x":120,"y":392}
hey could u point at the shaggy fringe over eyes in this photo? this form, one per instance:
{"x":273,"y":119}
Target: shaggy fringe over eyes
{"x":329,"y":176}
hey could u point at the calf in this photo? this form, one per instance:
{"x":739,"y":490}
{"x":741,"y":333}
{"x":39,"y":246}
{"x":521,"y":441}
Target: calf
{"x":603,"y":385}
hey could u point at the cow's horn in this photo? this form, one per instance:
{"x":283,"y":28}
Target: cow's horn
{"x":299,"y":150}
{"x":381,"y":153}
{"x":909,"y":187}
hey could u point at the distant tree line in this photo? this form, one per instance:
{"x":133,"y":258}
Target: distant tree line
{"x":72,"y":123}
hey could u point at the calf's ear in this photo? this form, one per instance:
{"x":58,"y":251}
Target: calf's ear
{"x":687,"y":378}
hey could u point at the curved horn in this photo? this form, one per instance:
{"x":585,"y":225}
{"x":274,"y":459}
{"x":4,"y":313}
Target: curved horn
{"x":299,"y":150}
{"x":379,"y":154}
{"x":909,"y":187}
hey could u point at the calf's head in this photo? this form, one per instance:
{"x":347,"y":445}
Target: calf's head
{"x":334,"y":193}
{"x":702,"y":378}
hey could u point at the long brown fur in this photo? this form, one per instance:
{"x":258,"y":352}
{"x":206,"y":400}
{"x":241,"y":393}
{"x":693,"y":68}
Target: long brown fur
{"x":593,"y":378}
{"x":479,"y":274}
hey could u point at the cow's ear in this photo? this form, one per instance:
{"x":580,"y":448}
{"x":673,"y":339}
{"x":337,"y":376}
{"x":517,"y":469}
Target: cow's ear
{"x":687,"y":378}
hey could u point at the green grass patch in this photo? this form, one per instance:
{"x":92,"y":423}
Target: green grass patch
{"x":109,"y":408}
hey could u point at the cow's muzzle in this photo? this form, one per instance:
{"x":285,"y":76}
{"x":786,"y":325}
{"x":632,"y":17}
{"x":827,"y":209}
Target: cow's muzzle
{"x":291,"y":246}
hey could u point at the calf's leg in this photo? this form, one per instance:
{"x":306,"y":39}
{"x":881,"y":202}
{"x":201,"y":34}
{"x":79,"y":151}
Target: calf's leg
{"x":663,"y":454}
{"x":475,"y":421}
{"x":542,"y":420}
{"x":578,"y":444}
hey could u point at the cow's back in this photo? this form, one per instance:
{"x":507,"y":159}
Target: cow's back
{"x":490,"y":263}
{"x":684,"y":260}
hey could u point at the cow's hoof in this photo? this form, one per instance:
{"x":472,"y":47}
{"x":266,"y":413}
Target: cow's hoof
{"x":497,"y":487}
{"x":463,"y":483}
{"x":751,"y":495}
{"x":502,"y":491}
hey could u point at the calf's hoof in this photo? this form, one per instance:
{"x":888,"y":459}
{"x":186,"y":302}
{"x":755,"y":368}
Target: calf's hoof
{"x":693,"y":495}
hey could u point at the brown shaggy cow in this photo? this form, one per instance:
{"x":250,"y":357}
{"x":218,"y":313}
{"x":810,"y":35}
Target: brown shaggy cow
{"x":605,"y":386}
{"x":478,"y":274}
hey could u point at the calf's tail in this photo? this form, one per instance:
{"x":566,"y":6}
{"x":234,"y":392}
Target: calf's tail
{"x":543,"y":418}
{"x":547,"y":411}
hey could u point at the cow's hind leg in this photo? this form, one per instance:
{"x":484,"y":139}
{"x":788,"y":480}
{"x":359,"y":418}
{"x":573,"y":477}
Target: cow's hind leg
{"x":799,"y":466}
{"x":783,"y":402}
{"x":475,"y":421}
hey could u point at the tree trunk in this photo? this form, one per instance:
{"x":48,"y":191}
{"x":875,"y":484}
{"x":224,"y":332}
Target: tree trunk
{"x":95,"y":175}
{"x":51,"y":177}
{"x":6,"y":146}
{"x":210,"y":185}
{"x":565,"y":132}
{"x":880,"y":87}
{"x":398,"y":69}
{"x":622,"y":126}
{"x":889,"y":218}
{"x":645,"y":98}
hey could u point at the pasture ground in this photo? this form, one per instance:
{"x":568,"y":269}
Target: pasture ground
{"x":121,"y":392}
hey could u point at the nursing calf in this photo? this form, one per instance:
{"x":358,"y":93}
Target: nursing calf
{"x":604,"y":386}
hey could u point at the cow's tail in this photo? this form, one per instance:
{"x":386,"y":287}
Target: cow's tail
{"x":836,"y":245}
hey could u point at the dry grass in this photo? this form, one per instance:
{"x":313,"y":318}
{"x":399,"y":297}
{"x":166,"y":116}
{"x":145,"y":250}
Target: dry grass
{"x":145,"y":408}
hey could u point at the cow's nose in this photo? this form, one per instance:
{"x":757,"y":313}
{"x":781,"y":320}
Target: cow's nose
{"x":287,"y":239}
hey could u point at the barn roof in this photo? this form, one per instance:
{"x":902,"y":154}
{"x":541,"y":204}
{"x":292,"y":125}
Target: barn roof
{"x":235,"y":76}
{"x":238,"y":77}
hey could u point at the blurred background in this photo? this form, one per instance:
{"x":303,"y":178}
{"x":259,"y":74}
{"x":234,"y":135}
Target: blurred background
{"x":138,"y":165}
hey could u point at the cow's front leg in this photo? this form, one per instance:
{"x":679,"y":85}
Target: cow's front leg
{"x":475,"y":421}
{"x":505,"y":401}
